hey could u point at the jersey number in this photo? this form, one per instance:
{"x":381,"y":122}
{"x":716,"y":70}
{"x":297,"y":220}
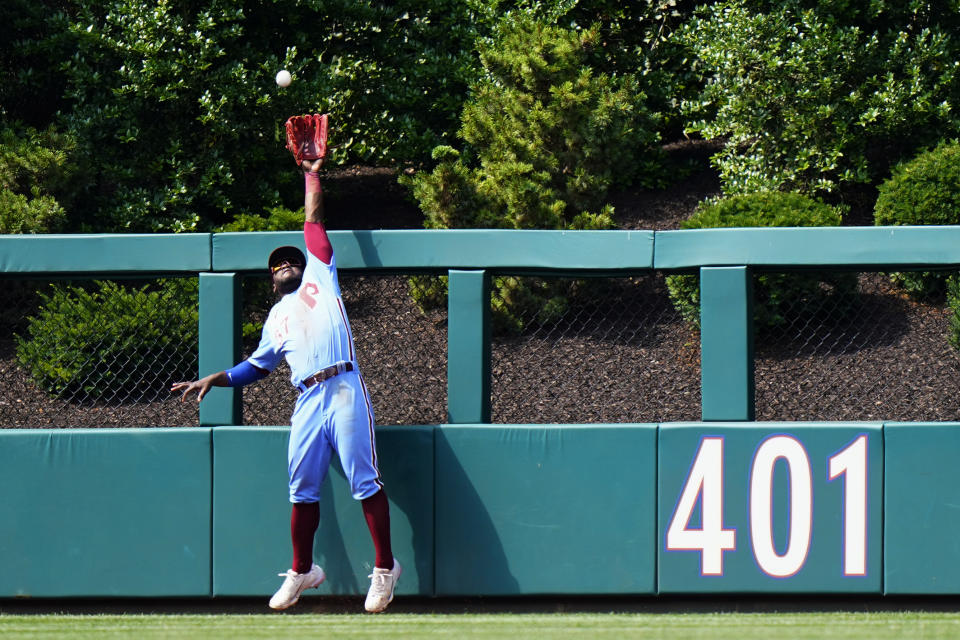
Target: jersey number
{"x":704,"y":484}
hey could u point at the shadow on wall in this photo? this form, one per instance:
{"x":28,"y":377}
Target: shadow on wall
{"x":470,"y":557}
{"x":329,"y":549}
{"x":406,"y":461}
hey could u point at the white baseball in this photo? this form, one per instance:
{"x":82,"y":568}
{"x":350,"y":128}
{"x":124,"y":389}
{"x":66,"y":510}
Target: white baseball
{"x":284,"y":78}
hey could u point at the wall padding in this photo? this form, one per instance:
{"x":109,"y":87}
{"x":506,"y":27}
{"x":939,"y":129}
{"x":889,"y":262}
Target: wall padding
{"x":251,"y":514}
{"x":112,"y":512}
{"x":545,"y":509}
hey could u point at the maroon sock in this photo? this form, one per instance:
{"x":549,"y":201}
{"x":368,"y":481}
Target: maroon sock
{"x":376,"y":510}
{"x":304,"y":520}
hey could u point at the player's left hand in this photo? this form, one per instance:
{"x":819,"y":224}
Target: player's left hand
{"x":306,"y":136}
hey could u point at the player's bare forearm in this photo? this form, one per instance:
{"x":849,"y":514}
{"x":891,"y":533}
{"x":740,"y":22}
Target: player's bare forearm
{"x":313,"y":193}
{"x":313,"y":206}
{"x":201,"y":386}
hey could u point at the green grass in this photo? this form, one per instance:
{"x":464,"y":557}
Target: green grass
{"x":711,"y":626}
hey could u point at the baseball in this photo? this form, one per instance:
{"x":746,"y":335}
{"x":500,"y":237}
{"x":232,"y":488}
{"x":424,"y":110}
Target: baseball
{"x":283,"y":78}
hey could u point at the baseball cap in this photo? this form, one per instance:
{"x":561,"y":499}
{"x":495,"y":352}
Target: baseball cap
{"x":285,"y":253}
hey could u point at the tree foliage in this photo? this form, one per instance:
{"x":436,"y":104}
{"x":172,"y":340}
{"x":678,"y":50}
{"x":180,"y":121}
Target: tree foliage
{"x":175,"y":108}
{"x":36,"y":41}
{"x":35,"y":174}
{"x":546,"y":136}
{"x":814,"y":94}
{"x":175,"y":103}
{"x":177,"y":121}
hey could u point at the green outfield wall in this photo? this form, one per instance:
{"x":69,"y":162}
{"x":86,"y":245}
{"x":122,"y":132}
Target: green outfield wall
{"x":724,"y":505}
{"x":111,"y":512}
{"x":791,"y":508}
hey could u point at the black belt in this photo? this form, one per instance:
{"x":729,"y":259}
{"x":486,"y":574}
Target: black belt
{"x":325,"y":374}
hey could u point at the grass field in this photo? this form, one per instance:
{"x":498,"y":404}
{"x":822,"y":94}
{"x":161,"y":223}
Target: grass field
{"x":709,"y":626}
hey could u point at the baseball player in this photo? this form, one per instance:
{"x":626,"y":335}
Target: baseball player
{"x":308,"y":326}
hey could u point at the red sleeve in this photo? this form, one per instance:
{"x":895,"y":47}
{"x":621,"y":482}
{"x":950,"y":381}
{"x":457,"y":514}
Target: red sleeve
{"x":317,"y":241}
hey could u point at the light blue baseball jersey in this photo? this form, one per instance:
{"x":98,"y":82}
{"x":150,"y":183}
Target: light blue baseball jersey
{"x":309,"y":326}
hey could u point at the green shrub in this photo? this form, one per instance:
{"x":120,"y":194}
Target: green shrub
{"x":776,"y":296}
{"x":35,"y":170}
{"x":175,"y":107}
{"x":634,"y":38}
{"x":809,"y":95}
{"x":516,"y":303}
{"x":19,"y":214}
{"x":546,"y":134}
{"x":546,"y":137}
{"x":35,"y":42}
{"x":925,"y":190}
{"x":276,"y":219}
{"x":111,"y":340}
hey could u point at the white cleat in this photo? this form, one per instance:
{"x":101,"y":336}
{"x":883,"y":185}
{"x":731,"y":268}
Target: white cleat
{"x":382,"y":584}
{"x":294,"y":585}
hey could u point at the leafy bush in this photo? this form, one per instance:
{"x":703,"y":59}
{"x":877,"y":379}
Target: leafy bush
{"x":634,"y":38}
{"x":774,"y":294}
{"x":547,"y":136}
{"x":35,"y":42}
{"x":550,"y":136}
{"x":111,"y":340}
{"x":925,"y":190}
{"x":19,"y":214}
{"x":809,"y":95}
{"x":176,"y":102}
{"x":34,"y":169}
{"x":276,"y":219}
{"x":175,"y":107}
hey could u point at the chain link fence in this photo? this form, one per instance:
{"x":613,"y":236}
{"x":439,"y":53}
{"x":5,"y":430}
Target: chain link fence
{"x":103,"y":353}
{"x":402,"y":351}
{"x":617,"y":352}
{"x":96,"y":353}
{"x":610,"y":350}
{"x":875,"y":354}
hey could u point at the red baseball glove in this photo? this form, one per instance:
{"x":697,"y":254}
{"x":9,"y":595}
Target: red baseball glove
{"x":307,"y":136}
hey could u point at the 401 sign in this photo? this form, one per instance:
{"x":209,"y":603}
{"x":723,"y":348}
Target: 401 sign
{"x":759,"y":508}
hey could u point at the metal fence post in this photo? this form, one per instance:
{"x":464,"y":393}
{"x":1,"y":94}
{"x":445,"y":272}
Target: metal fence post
{"x":468,"y":347}
{"x":726,"y":343}
{"x":220,"y":344}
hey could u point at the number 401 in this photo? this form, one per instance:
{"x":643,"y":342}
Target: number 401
{"x":705,"y":484}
